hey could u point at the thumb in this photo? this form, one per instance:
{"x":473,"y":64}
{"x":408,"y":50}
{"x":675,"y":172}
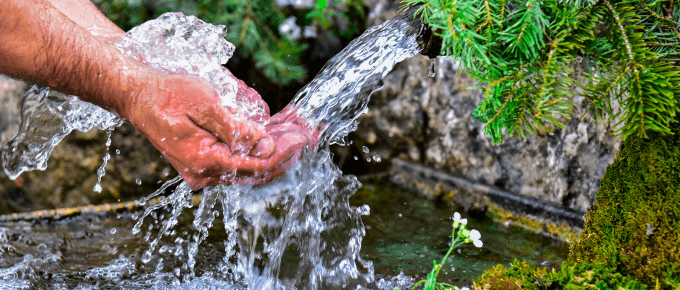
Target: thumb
{"x":264,"y":148}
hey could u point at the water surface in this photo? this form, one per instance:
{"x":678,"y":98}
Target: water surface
{"x":100,"y":251}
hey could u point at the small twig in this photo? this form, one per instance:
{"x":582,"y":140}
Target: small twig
{"x":624,"y":37}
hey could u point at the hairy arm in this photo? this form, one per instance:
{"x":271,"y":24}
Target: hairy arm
{"x":41,"y":44}
{"x":86,"y":15}
{"x":64,"y":44}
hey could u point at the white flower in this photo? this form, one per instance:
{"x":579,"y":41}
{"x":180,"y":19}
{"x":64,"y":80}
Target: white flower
{"x":475,"y":237}
{"x":456,"y":220}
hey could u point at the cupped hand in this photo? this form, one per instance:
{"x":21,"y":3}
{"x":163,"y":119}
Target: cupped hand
{"x":208,"y":144}
{"x":287,"y":128}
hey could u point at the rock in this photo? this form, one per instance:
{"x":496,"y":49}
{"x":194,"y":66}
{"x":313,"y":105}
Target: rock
{"x":10,"y":111}
{"x":430,"y":121}
{"x":633,"y":227}
{"x":71,"y":170}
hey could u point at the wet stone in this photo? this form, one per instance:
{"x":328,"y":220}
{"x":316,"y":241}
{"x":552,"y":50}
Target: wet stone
{"x":429,"y":121}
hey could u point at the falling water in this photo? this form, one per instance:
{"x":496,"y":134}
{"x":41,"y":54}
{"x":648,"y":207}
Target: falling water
{"x":431,"y":72}
{"x":297,"y":231}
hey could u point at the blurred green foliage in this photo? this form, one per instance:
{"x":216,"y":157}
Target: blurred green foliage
{"x":252,"y":25}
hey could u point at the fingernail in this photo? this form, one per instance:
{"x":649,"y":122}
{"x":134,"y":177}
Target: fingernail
{"x":264,"y":149}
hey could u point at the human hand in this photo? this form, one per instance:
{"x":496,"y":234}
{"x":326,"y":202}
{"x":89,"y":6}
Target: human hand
{"x":289,"y":119}
{"x":206,"y":143}
{"x":288,"y":126}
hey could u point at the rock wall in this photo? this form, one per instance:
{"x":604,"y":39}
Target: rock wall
{"x":135,"y":168}
{"x":430,"y":121}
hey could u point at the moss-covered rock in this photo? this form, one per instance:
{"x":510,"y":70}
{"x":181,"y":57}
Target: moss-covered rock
{"x":571,"y":276}
{"x":635,"y":223}
{"x":631,"y":237}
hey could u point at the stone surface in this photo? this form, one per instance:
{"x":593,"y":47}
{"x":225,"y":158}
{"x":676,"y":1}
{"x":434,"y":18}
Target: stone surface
{"x":71,"y":171}
{"x":429,"y":121}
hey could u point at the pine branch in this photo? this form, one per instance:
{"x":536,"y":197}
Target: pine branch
{"x":628,"y":50}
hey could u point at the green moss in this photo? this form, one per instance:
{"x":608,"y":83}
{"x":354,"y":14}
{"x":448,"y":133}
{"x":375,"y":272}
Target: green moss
{"x":635,"y":224}
{"x":631,"y":238}
{"x":571,"y":276}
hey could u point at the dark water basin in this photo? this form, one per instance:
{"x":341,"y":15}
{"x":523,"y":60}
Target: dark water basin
{"x":404,"y":233}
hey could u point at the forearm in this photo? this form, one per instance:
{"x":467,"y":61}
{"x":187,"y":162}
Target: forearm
{"x":86,"y":15}
{"x":40,"y":44}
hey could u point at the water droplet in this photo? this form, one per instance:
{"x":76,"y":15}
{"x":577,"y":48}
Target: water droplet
{"x":368,"y":159}
{"x":100,"y":75}
{"x":365,"y":149}
{"x":138,"y":181}
{"x":163,"y":139}
{"x":356,"y":158}
{"x":146,"y":257}
{"x":236,"y":133}
{"x":390,"y":134}
{"x":97,"y":188}
{"x":377,"y":158}
{"x":431,"y":72}
{"x":118,"y":151}
{"x":399,"y":214}
{"x":112,"y":231}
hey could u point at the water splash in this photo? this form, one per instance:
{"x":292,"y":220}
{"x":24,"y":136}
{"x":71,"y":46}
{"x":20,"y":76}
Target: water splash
{"x":432,"y":71}
{"x":47,"y":117}
{"x":185,"y":45}
{"x":339,"y":94}
{"x":102,"y":169}
{"x":296,"y":232}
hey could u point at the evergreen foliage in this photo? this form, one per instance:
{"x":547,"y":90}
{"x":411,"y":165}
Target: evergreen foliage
{"x":535,"y":56}
{"x":252,"y":25}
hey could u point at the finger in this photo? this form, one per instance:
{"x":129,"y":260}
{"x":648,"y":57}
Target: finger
{"x":210,"y":160}
{"x":242,"y":135}
{"x":213,"y":163}
{"x":312,"y":136}
{"x":292,"y":146}
{"x":288,"y":145}
{"x":289,"y":114}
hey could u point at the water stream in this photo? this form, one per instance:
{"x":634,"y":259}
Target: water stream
{"x":298,"y":231}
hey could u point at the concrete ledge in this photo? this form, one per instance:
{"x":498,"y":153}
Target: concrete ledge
{"x":406,"y":173}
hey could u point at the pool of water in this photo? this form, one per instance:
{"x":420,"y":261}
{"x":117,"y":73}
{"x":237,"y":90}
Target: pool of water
{"x":404,"y":233}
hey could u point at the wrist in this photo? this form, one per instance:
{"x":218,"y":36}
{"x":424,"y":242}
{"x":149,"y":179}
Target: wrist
{"x":130,"y":80}
{"x":108,"y":79}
